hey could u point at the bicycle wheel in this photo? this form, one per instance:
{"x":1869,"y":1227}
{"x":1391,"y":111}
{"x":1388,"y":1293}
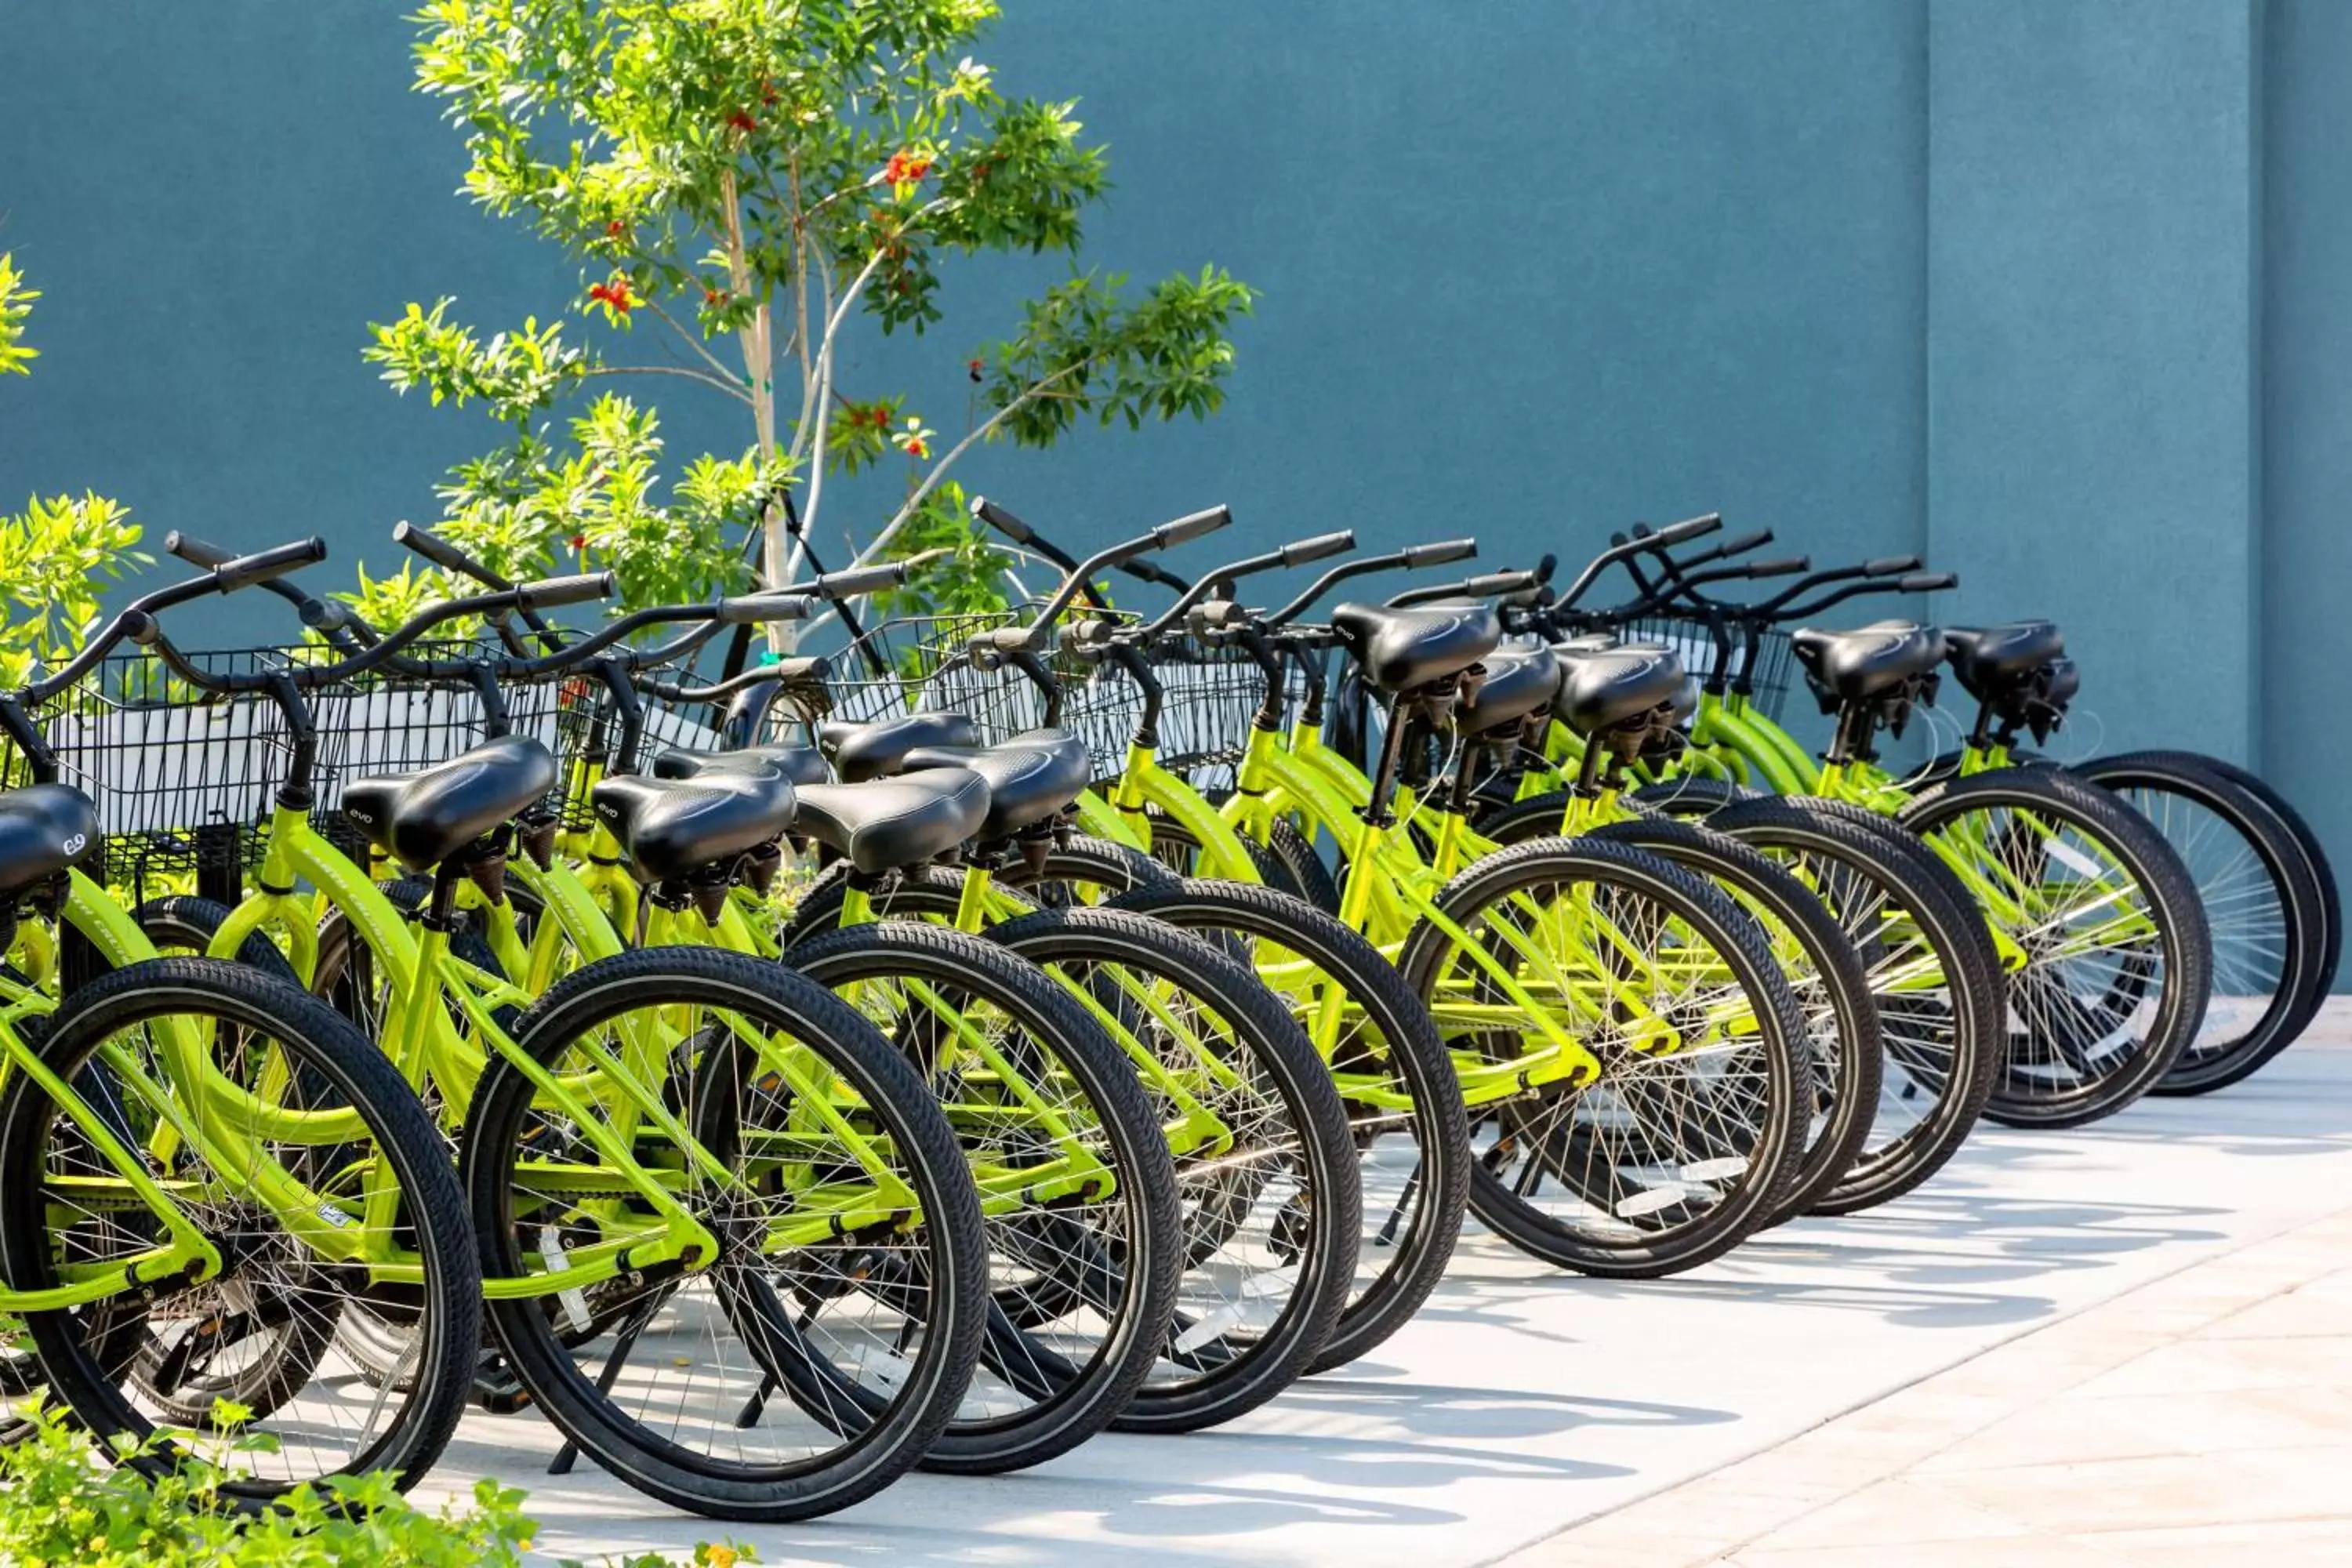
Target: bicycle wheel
{"x":1689,"y":1137}
{"x":238,"y":1370}
{"x":1302,"y":867}
{"x":1404,"y":1103}
{"x":2112,"y":958}
{"x":1174,"y":847}
{"x":1264,"y":1170}
{"x":1930,"y":962}
{"x":1079,"y":1193}
{"x":819,"y":1157}
{"x":1080,"y":869}
{"x":1815,"y":954}
{"x":2267,"y":913}
{"x":2314,"y":855}
{"x":183,"y":923}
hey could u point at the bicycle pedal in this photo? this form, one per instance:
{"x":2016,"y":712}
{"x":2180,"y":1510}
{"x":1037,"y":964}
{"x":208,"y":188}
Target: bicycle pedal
{"x":497,"y":1392}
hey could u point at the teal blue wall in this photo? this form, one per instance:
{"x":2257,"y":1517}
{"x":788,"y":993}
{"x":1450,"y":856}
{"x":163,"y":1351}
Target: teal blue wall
{"x":2056,"y":291}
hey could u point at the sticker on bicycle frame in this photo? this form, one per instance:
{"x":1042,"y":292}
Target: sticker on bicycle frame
{"x":574,"y":1301}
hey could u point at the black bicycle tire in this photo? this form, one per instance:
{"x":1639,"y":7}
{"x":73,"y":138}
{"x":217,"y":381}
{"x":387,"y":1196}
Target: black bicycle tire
{"x":1373,"y":1315}
{"x":432,"y":1205}
{"x":1313,"y":1107}
{"x":1085,"y":1405}
{"x":2289,"y":873}
{"x":653,"y":1465}
{"x":1936,"y":898}
{"x":2177,"y":914}
{"x":1696,"y":843}
{"x":1708,"y":911}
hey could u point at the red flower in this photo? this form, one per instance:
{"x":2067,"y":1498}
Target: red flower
{"x":974,"y":366}
{"x":579,"y":542}
{"x":768,"y":92}
{"x":616,"y":230}
{"x":713,"y":297}
{"x":914,"y":448}
{"x":741,"y":121}
{"x":615,"y":293}
{"x":902,"y":170}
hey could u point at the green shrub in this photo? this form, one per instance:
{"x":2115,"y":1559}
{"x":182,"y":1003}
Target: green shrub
{"x":62,"y":1504}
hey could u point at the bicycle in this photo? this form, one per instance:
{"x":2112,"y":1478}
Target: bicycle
{"x":586,"y":1247}
{"x":183,"y":1223}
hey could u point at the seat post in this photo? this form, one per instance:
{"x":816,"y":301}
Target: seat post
{"x":441,"y":909}
{"x":1850,"y":742}
{"x":1384,"y":772}
{"x":1981,"y":737}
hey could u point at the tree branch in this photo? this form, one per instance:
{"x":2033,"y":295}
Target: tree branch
{"x":692,"y":342}
{"x":813,"y":406}
{"x":915,"y":498}
{"x":689,"y":372}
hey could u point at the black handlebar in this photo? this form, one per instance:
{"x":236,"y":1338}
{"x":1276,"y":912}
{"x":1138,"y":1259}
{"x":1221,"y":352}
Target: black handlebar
{"x":1437,"y":554}
{"x":760,"y":609}
{"x":1490,"y":586}
{"x":554,"y":593}
{"x":1671,"y":535}
{"x":1296,"y":554}
{"x":1033,"y":636}
{"x":329,"y":619}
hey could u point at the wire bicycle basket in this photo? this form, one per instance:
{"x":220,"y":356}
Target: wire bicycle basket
{"x":921,"y":664}
{"x":185,"y":781}
{"x":1694,"y":640}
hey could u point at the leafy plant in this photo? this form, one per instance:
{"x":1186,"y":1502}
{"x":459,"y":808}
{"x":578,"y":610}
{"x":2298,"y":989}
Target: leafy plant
{"x":57,"y":555}
{"x":760,"y":181}
{"x":15,"y":304}
{"x":61,"y":1504}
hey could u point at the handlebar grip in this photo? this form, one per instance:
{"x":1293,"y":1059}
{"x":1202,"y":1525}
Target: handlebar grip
{"x":1006,"y":639}
{"x":326,"y":617}
{"x":446,"y":555}
{"x":752,"y":609}
{"x":1219,"y":615}
{"x":1004,"y":521}
{"x":1788,"y":566}
{"x":1493,"y":583}
{"x":803,"y":670}
{"x":1889,"y":565}
{"x":1317,"y":548}
{"x":1688,"y":529}
{"x":855,"y":580}
{"x":1744,"y":542}
{"x":319,"y":614}
{"x":1438,"y":554}
{"x":1186,"y":529}
{"x":196,"y":552}
{"x":552,"y":593}
{"x":1089,"y":631}
{"x":1928,"y":581}
{"x":265,"y":565}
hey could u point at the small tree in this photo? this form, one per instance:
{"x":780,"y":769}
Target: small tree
{"x":57,"y":553}
{"x":760,"y":179}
